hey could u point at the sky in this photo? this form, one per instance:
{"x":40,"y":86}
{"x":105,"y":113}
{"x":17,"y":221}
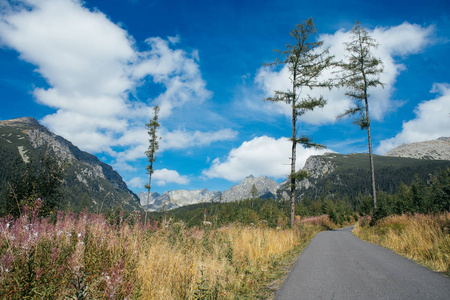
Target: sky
{"x":91,"y":71}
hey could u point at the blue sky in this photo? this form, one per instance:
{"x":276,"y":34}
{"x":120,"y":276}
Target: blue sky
{"x":91,"y":71}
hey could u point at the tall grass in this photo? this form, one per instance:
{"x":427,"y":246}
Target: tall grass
{"x":85,"y":257}
{"x":423,"y":238}
{"x":321,"y":221}
{"x":181,"y":263}
{"x":78,"y":256}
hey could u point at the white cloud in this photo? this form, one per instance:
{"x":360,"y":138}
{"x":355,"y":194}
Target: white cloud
{"x":91,"y":66}
{"x":92,"y":134}
{"x":76,"y":50}
{"x":137,"y":182}
{"x":432,"y":121}
{"x":165,"y":176}
{"x":262,"y":156}
{"x":137,"y":139}
{"x":401,"y":40}
{"x":180,"y":139}
{"x":160,"y":178}
{"x":174,"y":39}
{"x":176,"y":70}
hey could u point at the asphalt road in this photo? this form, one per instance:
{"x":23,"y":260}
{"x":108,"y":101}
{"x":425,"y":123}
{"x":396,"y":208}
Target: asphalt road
{"x":337,"y":265}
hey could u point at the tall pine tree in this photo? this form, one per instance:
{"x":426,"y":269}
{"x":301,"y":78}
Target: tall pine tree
{"x":359,"y":73}
{"x":305,"y":61}
{"x":153,"y":147}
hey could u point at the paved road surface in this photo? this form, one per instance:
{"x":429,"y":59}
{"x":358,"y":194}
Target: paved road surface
{"x":337,"y":265}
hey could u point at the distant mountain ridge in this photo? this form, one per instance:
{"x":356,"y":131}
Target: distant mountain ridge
{"x":177,"y":198}
{"x":265,"y":187}
{"x":330,"y":174}
{"x":434,"y":149}
{"x":88,"y":182}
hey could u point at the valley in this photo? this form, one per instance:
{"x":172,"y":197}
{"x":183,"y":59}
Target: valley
{"x":218,"y":245}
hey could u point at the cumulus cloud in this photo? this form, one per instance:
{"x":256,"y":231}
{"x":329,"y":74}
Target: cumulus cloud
{"x":262,"y":156}
{"x":396,"y":41}
{"x":160,"y":178}
{"x":179,"y":139}
{"x":91,"y":66}
{"x":74,"y":49}
{"x":176,"y":70}
{"x":137,"y":139}
{"x":137,"y":182}
{"x":165,"y":176}
{"x":432,"y":121}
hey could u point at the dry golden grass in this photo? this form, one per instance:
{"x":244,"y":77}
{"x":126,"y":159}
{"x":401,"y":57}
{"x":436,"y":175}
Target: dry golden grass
{"x":423,"y":238}
{"x":86,"y":256}
{"x":323,"y":221}
{"x":213,"y":264}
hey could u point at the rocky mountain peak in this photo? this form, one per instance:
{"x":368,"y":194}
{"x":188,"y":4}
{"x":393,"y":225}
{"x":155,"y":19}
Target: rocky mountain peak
{"x":27,"y":121}
{"x":143,"y":198}
{"x":242,"y":191}
{"x":438,"y":149}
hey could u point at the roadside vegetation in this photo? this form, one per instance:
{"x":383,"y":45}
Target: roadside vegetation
{"x":87,"y":256}
{"x":422,"y":238}
{"x":415,"y":222}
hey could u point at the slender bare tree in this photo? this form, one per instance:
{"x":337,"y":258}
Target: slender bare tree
{"x":305,"y":61}
{"x":360,"y":72}
{"x":153,"y":147}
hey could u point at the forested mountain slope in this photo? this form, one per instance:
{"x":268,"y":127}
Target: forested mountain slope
{"x":333,"y":174}
{"x":87,"y":182}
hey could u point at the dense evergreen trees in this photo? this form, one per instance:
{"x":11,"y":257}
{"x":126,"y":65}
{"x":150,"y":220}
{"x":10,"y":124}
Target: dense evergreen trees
{"x":431,"y":196}
{"x":36,"y":184}
{"x":421,"y":196}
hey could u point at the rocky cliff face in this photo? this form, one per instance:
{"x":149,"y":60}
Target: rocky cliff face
{"x":143,"y":198}
{"x":436,"y":149}
{"x":86,"y":177}
{"x":264,"y":186}
{"x":317,"y":167}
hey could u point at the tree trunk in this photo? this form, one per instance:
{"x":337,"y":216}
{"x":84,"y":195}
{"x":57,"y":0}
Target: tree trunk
{"x":372,"y":169}
{"x":293,"y":183}
{"x":148,"y":197}
{"x":293,"y":156}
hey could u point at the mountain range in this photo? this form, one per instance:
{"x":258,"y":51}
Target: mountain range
{"x":265,"y":188}
{"x":330,"y":174}
{"x":93,"y":185}
{"x":88,"y":182}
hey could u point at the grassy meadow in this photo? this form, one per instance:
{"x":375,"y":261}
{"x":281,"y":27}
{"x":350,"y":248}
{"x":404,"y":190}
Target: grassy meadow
{"x":85,"y":256}
{"x":424,"y":238}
